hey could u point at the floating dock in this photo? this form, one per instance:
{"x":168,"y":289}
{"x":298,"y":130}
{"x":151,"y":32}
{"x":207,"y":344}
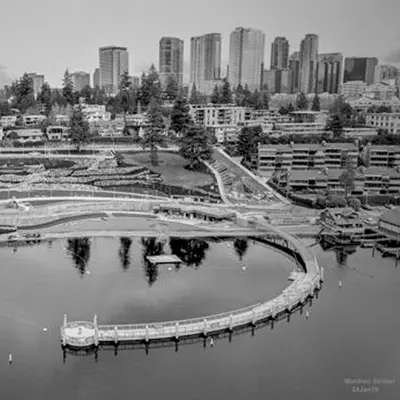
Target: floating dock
{"x":164,"y":259}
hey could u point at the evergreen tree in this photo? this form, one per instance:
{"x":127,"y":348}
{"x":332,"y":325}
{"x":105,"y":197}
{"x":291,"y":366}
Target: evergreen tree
{"x":226,"y":92}
{"x":290,"y":108}
{"x":22,"y":94}
{"x":153,"y":136}
{"x":87,"y":94}
{"x":124,"y":100}
{"x":180,"y":116}
{"x":256,"y":100}
{"x":194,"y":96}
{"x":264,"y":99}
{"x":247,"y":97}
{"x":241,"y":246}
{"x":347,"y":178}
{"x":302,"y":102}
{"x":216,"y":96}
{"x":196,"y":144}
{"x":248,"y":140}
{"x":68,"y":88}
{"x":316,"y":106}
{"x":150,"y":87}
{"x":171,"y":89}
{"x":79,"y":128}
{"x":239,"y":96}
{"x":335,"y":125}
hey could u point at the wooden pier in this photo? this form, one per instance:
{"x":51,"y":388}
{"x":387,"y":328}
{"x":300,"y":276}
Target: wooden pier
{"x":86,"y":335}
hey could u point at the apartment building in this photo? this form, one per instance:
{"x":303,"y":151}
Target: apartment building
{"x":353,"y":88}
{"x":371,"y":180}
{"x":381,"y":156}
{"x":272,"y":158}
{"x":219,"y":114}
{"x":8,"y":121}
{"x":33,"y":120}
{"x":388,"y":121}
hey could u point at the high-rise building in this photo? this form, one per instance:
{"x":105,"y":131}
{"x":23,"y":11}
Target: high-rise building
{"x":37,"y":81}
{"x":386,"y":73}
{"x":246,"y":57}
{"x":283,"y":80}
{"x":205,"y":61}
{"x":96,"y":77}
{"x":280,"y":53}
{"x":171,"y":60}
{"x":329,"y":72}
{"x":269,"y":79}
{"x":360,"y":69}
{"x":308,"y":63}
{"x":294,"y":67}
{"x":114,"y":61}
{"x":80,"y":80}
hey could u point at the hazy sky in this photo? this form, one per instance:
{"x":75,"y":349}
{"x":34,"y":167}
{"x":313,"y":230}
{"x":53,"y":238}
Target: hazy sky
{"x":48,"y":36}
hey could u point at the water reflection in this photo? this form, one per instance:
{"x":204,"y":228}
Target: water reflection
{"x":192,"y":252}
{"x":151,"y":246}
{"x":241,"y":246}
{"x":124,"y":252}
{"x":79,"y":250}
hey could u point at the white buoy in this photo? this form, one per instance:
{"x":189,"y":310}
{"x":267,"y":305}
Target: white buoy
{"x":244,"y":268}
{"x":307,"y":314}
{"x":44,"y":329}
{"x":10,"y":358}
{"x":88,"y":272}
{"x":169,"y":269}
{"x":212,"y":342}
{"x":340,"y":284}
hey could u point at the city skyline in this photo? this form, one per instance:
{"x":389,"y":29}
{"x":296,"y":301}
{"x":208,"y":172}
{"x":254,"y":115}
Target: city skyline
{"x":70,"y":49}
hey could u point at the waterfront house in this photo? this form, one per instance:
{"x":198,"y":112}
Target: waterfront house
{"x":389,"y":223}
{"x":342,"y":220}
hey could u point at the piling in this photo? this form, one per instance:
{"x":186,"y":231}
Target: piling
{"x":205,"y":328}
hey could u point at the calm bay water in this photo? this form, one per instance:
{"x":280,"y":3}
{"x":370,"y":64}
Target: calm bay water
{"x":352,"y":332}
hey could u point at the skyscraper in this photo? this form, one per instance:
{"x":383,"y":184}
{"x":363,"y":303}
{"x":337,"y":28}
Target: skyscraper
{"x":308,"y":63}
{"x":246,"y":57}
{"x":171,"y":60}
{"x":205,"y":61}
{"x":114,"y":61}
{"x":80,"y":80}
{"x":360,"y":69}
{"x":329,"y":72}
{"x":294,"y":67}
{"x":37,"y":82}
{"x":96,"y":77}
{"x":280,"y":53}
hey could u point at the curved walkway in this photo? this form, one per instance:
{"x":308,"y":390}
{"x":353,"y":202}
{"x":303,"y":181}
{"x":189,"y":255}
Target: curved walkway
{"x":82,"y":334}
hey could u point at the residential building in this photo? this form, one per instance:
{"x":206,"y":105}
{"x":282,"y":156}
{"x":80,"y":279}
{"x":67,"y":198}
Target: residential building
{"x":8,"y":121}
{"x":114,"y":61}
{"x":359,"y":133}
{"x":294,"y":67}
{"x":80,"y":80}
{"x":305,"y":156}
{"x":26,"y":135}
{"x":171,"y":60}
{"x":308,"y":63}
{"x":33,"y":120}
{"x":360,"y":69}
{"x":246,"y":58}
{"x":94,"y":113}
{"x":381,"y":156}
{"x":96,"y":77}
{"x":37,"y":82}
{"x":380,"y":91}
{"x":363,"y":103}
{"x":306,"y":116}
{"x":219,"y":114}
{"x":280,"y":53}
{"x":389,"y":223}
{"x":353,"y":88}
{"x":329,"y":72}
{"x":205,"y":61}
{"x":57,"y":133}
{"x":385,"y":72}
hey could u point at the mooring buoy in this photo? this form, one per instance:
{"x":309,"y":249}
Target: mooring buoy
{"x":307,"y":314}
{"x":10,"y":358}
{"x":340,"y":284}
{"x":212,"y":342}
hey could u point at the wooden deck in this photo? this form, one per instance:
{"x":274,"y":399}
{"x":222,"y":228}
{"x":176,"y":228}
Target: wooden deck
{"x":300,"y":290}
{"x":164,"y":259}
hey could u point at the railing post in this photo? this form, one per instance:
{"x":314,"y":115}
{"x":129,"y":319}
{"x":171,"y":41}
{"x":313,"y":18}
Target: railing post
{"x":147,"y":333}
{"x":322,"y":274}
{"x":115,"y":335}
{"x":177,"y":331}
{"x":96,"y":331}
{"x":205,"y":327}
{"x":253,"y":316}
{"x":65,"y":320}
{"x":231,"y":322}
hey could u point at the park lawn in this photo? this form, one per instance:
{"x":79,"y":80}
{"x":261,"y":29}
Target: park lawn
{"x":172,"y":169}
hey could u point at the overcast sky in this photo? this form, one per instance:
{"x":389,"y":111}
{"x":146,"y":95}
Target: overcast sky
{"x":48,"y":36}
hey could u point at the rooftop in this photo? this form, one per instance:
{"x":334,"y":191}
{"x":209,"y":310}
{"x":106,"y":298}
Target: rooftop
{"x":391,"y":216}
